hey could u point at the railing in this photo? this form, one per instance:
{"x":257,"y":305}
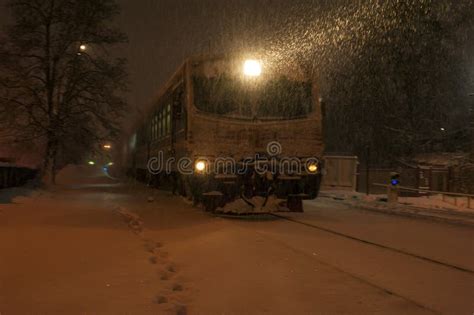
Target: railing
{"x":469,"y":197}
{"x":12,"y":176}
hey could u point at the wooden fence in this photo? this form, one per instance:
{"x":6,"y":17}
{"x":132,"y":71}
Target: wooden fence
{"x":12,"y":176}
{"x":445,"y":194}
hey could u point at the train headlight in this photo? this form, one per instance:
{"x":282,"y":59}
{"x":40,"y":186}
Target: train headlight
{"x":252,"y":68}
{"x":312,"y":168}
{"x":200,"y":166}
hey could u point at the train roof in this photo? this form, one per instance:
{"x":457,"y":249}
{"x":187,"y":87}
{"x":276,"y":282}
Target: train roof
{"x":168,"y":84}
{"x":172,"y":81}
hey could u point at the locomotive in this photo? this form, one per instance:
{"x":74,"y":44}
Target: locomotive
{"x":225,"y":128}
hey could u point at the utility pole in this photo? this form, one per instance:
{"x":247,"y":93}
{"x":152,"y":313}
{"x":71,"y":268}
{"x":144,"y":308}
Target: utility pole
{"x":367,"y":170}
{"x":471,"y":125}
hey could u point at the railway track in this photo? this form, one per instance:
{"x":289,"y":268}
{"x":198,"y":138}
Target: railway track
{"x":357,"y":239}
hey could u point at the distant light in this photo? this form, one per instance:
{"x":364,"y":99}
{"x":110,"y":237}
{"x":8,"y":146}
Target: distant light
{"x":252,"y":68}
{"x":442,"y":129}
{"x":83,"y":47}
{"x":395,"y":182}
{"x":91,"y":163}
{"x":110,"y":163}
{"x":107,"y":146}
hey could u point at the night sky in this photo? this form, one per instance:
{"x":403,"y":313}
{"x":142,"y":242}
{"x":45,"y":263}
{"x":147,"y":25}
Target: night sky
{"x":162,"y":33}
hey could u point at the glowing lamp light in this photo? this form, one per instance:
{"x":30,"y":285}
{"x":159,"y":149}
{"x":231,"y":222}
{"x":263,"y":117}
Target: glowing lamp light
{"x":252,"y":68}
{"x":200,"y":166}
{"x":82,"y":47}
{"x":110,"y":163}
{"x":91,"y":163}
{"x":312,"y":168}
{"x":107,"y":146}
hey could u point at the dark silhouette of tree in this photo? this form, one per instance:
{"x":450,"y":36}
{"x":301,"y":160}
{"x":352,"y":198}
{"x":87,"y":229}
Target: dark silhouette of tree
{"x":394,"y":75}
{"x":60,"y":83}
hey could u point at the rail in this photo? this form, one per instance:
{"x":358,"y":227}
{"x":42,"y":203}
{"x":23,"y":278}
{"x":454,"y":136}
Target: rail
{"x":469,"y":197}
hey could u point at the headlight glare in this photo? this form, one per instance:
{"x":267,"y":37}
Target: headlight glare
{"x":200,"y":166}
{"x":312,"y":168}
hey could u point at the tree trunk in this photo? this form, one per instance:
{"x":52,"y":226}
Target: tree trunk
{"x":48,"y":173}
{"x":54,"y":166}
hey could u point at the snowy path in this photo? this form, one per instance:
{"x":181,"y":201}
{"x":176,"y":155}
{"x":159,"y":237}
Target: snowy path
{"x":71,"y":252}
{"x":95,"y":246}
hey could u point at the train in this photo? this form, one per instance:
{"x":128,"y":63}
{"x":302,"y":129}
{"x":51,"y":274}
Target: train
{"x":231,"y":127}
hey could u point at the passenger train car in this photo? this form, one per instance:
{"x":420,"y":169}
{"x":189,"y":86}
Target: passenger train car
{"x":231,"y":127}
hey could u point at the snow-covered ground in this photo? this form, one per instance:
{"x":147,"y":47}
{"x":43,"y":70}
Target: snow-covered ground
{"x":438,"y":202}
{"x":427,"y":202}
{"x":97,"y":246}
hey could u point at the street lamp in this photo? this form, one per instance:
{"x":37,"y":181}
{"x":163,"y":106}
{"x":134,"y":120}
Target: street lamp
{"x":252,"y":68}
{"x":82,"y":47}
{"x":107,"y":146}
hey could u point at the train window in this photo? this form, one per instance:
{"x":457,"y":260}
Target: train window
{"x":165,"y":123}
{"x":178,"y":109}
{"x":157,"y":122}
{"x":133,"y":141}
{"x":168,"y":119}
{"x":277,"y":98}
{"x":155,"y":126}
{"x":160,"y":126}
{"x":152,"y":128}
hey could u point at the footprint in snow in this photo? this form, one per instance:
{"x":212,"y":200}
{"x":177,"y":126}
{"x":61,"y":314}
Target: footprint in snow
{"x":181,"y":309}
{"x":160,"y":299}
{"x":153,"y":259}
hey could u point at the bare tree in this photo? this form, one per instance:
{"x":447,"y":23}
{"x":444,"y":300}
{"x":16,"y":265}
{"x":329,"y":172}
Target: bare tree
{"x":394,"y":74}
{"x":60,"y":83}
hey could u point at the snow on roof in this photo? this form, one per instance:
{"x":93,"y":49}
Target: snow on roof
{"x":440,"y":159}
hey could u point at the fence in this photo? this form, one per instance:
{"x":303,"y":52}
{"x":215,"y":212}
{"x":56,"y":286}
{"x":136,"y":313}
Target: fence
{"x":340,"y":172}
{"x":12,"y":176}
{"x":374,"y":176}
{"x":418,"y":178}
{"x":444,"y":194}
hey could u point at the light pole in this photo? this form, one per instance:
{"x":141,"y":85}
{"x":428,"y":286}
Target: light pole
{"x":472,"y":126}
{"x":82,"y":48}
